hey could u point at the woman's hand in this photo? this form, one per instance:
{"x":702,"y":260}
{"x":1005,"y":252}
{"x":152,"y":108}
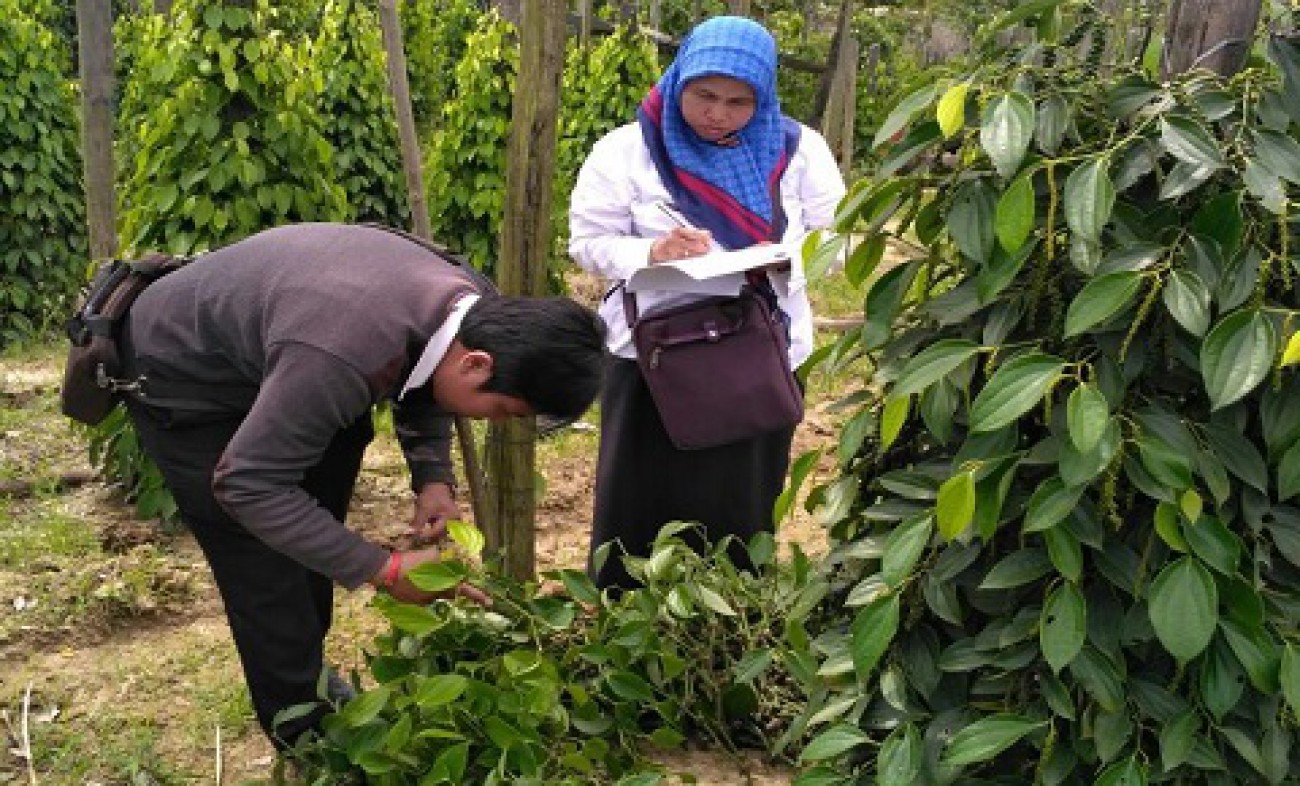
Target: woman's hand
{"x":680,"y":243}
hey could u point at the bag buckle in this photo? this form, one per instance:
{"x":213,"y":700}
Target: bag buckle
{"x":115,"y":385}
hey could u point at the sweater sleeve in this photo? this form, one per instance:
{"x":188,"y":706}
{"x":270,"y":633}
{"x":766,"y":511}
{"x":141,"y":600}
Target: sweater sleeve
{"x":424,"y":432}
{"x":306,"y":397}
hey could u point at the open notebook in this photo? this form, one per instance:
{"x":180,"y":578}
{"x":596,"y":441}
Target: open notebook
{"x":717,"y":273}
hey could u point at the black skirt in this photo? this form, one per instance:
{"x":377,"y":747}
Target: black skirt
{"x":643,"y":482}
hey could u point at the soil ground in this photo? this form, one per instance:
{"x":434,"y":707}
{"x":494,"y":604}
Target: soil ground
{"x":116,"y":666}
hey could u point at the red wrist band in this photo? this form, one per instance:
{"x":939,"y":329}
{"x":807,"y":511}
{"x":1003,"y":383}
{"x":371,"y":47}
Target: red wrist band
{"x":392,"y":570}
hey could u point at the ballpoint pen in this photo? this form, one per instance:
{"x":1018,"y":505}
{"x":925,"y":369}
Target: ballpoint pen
{"x":677,"y":218}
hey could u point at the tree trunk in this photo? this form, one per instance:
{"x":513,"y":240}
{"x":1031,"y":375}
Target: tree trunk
{"x":525,"y":251}
{"x":401,"y":93}
{"x":1211,"y":34}
{"x":738,"y":7}
{"x":95,"y":48}
{"x":832,"y":58}
{"x":162,"y":6}
{"x":509,"y":10}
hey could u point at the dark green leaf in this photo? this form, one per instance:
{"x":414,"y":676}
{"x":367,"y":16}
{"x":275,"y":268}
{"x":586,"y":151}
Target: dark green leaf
{"x":1279,"y":153}
{"x":971,"y":220}
{"x":900,"y":155}
{"x":1018,"y":568}
{"x":1176,"y":740}
{"x":899,"y":760}
{"x":1014,"y":389}
{"x":932,"y":364}
{"x":832,"y":742}
{"x":1087,"y":415}
{"x":1053,"y":120}
{"x":1066,"y":552}
{"x":904,"y":547}
{"x":1051,"y":502}
{"x":1183,"y":179}
{"x":1237,"y":355}
{"x":1100,"y":300}
{"x":1214,"y":543}
{"x":1184,"y":608}
{"x":1006,"y":129}
{"x":1288,"y":474}
{"x":1220,"y":219}
{"x":1258,"y":653}
{"x":1188,"y":140}
{"x":903,"y":114}
{"x":986,"y":738}
{"x":1289,"y":676}
{"x":1089,"y":199}
{"x":1188,"y":300}
{"x":873,"y":629}
{"x":1265,"y":186}
{"x":1063,"y":626}
{"x":1099,"y":678}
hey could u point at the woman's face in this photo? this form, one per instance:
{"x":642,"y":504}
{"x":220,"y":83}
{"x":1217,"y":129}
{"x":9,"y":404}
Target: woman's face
{"x":715,"y":106}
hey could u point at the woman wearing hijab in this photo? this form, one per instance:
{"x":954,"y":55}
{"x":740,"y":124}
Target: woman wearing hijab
{"x":710,"y":144}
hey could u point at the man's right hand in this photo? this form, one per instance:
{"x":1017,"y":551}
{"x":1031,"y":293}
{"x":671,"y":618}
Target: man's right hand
{"x":402,"y":589}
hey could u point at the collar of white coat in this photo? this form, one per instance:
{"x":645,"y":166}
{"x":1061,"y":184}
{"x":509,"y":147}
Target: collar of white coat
{"x":437,"y":346}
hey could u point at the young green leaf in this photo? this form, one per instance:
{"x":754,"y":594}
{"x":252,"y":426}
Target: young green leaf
{"x":1016,"y":213}
{"x":956,"y":505}
{"x":1291,"y":355}
{"x":951,"y":111}
{"x":897,"y":408}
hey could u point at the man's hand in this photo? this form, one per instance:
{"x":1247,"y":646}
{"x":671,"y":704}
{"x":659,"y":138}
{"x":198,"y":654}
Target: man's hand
{"x":680,"y":243}
{"x":434,"y":507}
{"x":400,"y":587}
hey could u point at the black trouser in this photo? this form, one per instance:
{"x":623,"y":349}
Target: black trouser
{"x":644,"y":482}
{"x":278,"y":610}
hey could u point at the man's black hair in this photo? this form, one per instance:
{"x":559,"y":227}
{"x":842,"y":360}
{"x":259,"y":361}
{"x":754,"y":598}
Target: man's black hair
{"x":549,"y":352}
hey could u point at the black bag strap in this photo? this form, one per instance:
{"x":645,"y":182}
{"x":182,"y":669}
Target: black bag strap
{"x":484,"y":284}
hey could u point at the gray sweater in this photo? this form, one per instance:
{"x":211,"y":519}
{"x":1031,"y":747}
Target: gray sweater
{"x":323,"y":321}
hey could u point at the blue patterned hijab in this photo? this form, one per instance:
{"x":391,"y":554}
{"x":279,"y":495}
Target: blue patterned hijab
{"x":726,"y":188}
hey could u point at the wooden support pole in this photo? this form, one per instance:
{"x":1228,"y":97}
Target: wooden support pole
{"x":525,"y":253}
{"x":1210,"y":34}
{"x":848,"y":101}
{"x":401,"y":93}
{"x":95,"y":50}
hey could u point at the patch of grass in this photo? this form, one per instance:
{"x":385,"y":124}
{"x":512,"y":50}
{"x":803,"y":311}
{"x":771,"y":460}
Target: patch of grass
{"x":112,"y":748}
{"x":32,"y":534}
